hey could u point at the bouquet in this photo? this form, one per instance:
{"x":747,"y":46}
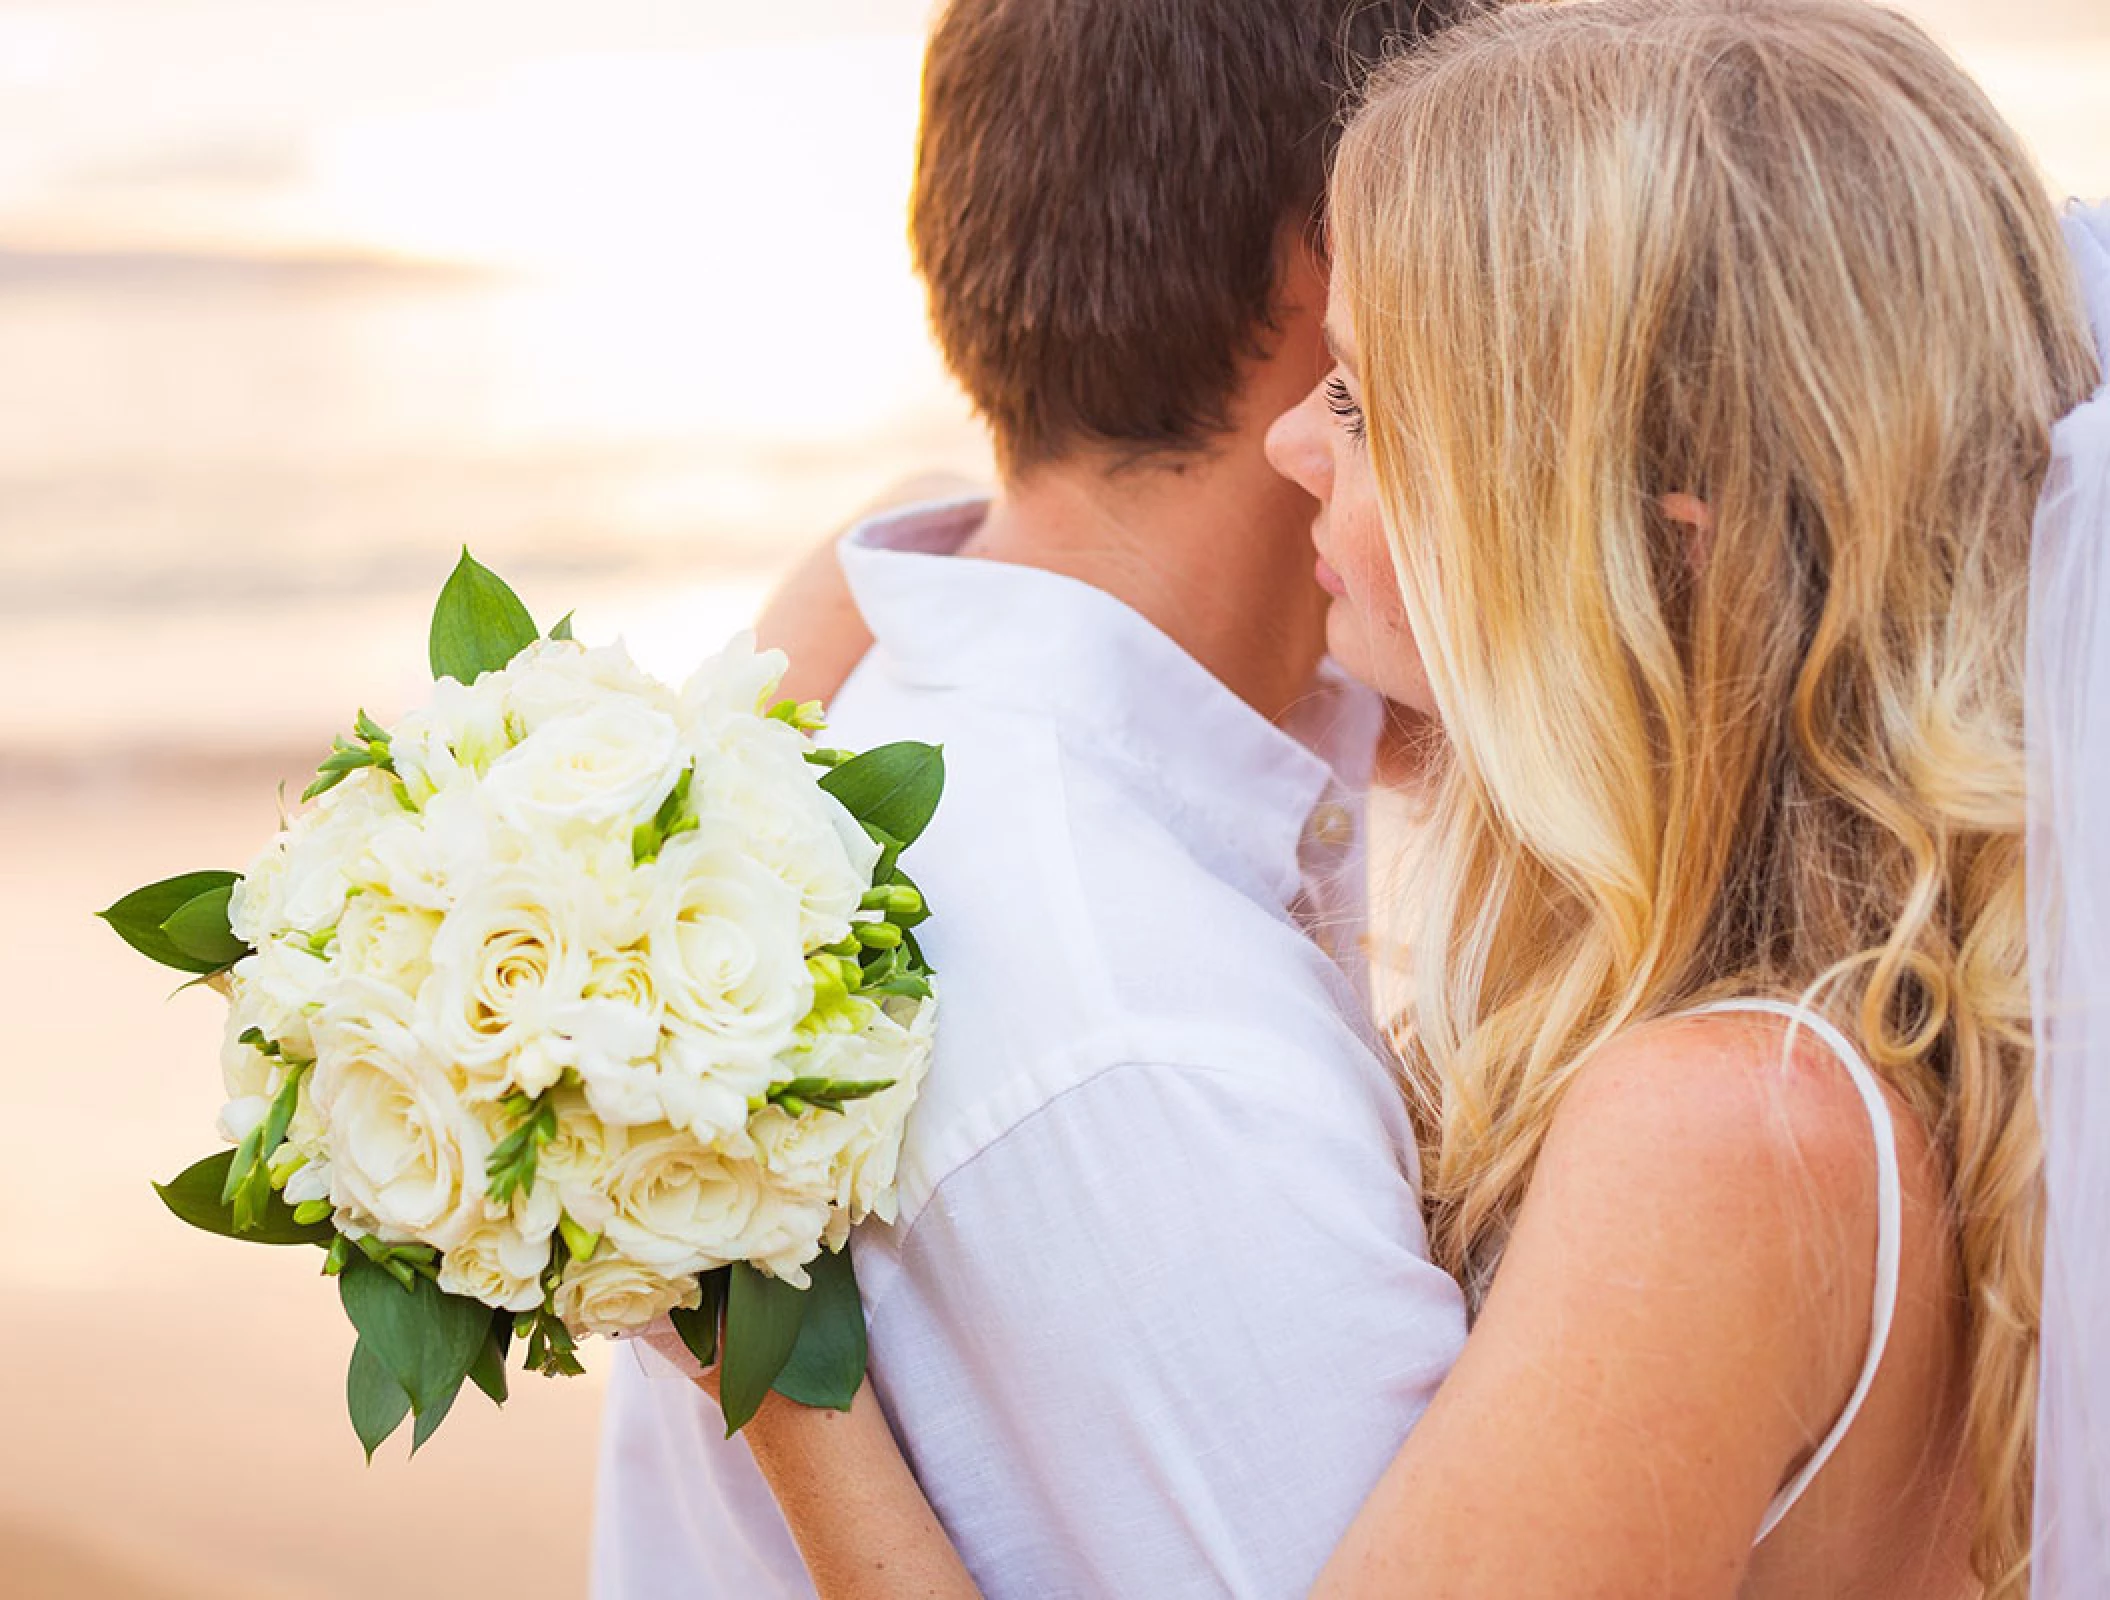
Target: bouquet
{"x":570,"y":1001}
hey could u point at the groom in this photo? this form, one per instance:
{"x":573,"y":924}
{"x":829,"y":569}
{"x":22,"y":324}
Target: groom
{"x":1155,"y":1311}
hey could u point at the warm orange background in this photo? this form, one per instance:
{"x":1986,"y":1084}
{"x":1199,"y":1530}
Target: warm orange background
{"x":294,"y":300}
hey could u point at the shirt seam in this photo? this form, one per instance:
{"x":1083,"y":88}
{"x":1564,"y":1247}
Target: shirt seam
{"x":1174,"y":1065}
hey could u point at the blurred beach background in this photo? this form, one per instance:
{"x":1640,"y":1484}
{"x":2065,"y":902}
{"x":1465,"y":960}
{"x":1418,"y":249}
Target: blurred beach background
{"x":297,"y":297}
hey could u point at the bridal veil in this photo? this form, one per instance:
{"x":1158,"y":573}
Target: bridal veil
{"x":2069,"y":894}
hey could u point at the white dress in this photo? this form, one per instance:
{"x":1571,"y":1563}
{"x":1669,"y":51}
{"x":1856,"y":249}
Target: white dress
{"x":1889,"y":1231}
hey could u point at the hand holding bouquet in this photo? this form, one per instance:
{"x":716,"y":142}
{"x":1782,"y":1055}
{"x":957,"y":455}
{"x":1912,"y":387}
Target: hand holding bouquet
{"x":570,"y":1002}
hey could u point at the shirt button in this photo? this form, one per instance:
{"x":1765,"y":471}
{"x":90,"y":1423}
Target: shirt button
{"x":1330,"y":825}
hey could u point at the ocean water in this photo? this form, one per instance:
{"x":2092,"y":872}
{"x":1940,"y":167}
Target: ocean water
{"x":622,"y":303}
{"x":538,"y":290}
{"x":204,"y":460}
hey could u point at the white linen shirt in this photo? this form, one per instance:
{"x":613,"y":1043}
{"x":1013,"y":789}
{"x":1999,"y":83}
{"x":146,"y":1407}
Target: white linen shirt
{"x":1157,"y":1308}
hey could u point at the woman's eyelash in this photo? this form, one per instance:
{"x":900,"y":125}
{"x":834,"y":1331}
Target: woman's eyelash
{"x":1342,"y":404}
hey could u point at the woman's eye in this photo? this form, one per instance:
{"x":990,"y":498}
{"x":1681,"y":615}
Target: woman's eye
{"x":1342,"y":404}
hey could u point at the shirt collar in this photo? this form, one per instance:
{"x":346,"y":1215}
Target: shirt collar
{"x":1236,"y":788}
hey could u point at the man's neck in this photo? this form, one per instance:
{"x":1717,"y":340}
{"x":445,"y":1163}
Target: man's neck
{"x":1212,"y":552}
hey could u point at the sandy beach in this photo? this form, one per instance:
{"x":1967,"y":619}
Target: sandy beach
{"x":173,"y":1397}
{"x":175,"y":1402}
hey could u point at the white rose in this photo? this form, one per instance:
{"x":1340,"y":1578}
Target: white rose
{"x":602,"y":769}
{"x":694,"y":1083}
{"x":574,"y":1166}
{"x":560,"y":678}
{"x":431,"y":861}
{"x":453,"y":738}
{"x":680,"y":1208}
{"x":610,"y":1046}
{"x":852,"y":1156}
{"x":738,"y":682}
{"x":506,"y":961}
{"x":300,"y":879}
{"x":331,"y":858}
{"x":785,"y":1235}
{"x":611,"y":1296}
{"x":404,"y":1150}
{"x":638,"y":1065}
{"x":499,"y":1262}
{"x":255,"y":905}
{"x":725,"y":949}
{"x":866,"y":1169}
{"x":307,"y":1142}
{"x":382,"y":938}
{"x":250,"y":1077}
{"x":757,"y":783}
{"x":281,"y":986}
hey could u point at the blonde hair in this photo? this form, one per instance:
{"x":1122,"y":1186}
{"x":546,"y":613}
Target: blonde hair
{"x":1786,"y":258}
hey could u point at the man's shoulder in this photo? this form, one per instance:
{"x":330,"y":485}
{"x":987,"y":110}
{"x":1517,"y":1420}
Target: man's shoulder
{"x":1077,"y":925}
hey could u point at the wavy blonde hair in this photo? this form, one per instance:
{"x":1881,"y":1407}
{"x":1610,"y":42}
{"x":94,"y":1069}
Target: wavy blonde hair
{"x":1784,"y":257}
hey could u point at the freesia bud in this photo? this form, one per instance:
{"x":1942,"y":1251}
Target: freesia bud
{"x":577,"y":1240}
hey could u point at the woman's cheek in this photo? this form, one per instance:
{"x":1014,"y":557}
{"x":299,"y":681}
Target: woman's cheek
{"x":1368,"y":635}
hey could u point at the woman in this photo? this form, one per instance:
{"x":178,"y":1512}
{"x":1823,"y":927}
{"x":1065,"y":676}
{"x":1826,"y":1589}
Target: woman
{"x":1697,"y":364}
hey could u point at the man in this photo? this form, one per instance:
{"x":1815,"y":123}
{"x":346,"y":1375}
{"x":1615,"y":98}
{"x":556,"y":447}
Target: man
{"x":1156,"y":1311}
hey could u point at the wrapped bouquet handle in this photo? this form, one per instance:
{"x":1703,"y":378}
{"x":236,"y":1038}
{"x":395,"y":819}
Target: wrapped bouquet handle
{"x":569,"y":1001}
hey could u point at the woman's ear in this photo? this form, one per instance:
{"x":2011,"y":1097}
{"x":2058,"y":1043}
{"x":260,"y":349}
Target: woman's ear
{"x":1696,"y":517}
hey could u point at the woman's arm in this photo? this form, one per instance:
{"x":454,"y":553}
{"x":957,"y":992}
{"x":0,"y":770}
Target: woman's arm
{"x":854,"y":1509}
{"x":1682,"y":1310}
{"x":812,"y":617}
{"x":860,"y":1521}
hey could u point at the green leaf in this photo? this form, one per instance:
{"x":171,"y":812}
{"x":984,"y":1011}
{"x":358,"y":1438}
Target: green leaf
{"x":199,"y":929}
{"x":138,"y":917}
{"x":194,"y":1195}
{"x":828,"y":1362}
{"x":699,"y":1328}
{"x":376,"y":1401}
{"x":762,"y":1316}
{"x":432,"y":1416}
{"x":563,"y":628}
{"x":909,"y":984}
{"x":478,"y":625}
{"x":488,"y":1370}
{"x":893,"y":788}
{"x":426,"y":1338}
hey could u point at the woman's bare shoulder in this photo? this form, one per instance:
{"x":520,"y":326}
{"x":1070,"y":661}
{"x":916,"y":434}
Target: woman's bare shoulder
{"x":1725,"y":1105}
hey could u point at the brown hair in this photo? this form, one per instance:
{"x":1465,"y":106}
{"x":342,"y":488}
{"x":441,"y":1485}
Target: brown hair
{"x":1101,"y":192}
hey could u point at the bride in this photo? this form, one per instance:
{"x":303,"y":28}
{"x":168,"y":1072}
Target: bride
{"x":1698,"y":365}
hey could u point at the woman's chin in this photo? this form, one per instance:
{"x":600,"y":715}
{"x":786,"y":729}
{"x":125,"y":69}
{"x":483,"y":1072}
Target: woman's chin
{"x":1391,"y":665}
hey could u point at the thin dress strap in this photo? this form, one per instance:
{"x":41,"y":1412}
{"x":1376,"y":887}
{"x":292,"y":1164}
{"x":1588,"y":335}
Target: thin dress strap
{"x":1890,"y":1229}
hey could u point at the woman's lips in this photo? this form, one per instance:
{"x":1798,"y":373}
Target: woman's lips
{"x":1330,"y":580}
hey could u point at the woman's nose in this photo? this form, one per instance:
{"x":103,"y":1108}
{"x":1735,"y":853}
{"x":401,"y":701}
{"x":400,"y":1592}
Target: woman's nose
{"x":1297,"y":449}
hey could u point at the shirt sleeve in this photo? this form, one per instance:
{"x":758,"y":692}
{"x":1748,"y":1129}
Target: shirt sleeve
{"x":1162,"y":1336}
